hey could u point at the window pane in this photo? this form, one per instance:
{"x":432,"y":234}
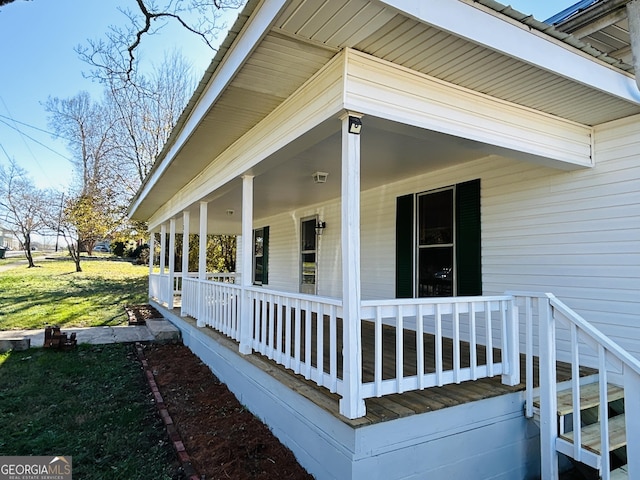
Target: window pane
{"x":309,"y":268}
{"x":309,"y":235}
{"x":259,"y":269}
{"x":435,"y":218}
{"x":258,"y":242}
{"x":435,"y":272}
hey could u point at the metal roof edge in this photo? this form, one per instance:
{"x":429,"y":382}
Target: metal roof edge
{"x":548,"y":29}
{"x":569,"y":11}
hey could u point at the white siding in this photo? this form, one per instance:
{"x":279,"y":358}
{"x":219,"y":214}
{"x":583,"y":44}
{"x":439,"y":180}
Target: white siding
{"x":284,"y":250}
{"x":575,"y":234}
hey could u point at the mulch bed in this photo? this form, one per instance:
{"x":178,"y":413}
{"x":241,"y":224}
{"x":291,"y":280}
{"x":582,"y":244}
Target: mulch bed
{"x":221,"y":437}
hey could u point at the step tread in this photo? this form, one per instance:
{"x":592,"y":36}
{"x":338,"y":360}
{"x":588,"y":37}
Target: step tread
{"x":591,"y":435}
{"x":589,"y":397}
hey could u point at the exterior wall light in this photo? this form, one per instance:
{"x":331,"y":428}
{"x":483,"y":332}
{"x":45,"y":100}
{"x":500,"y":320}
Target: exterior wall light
{"x":320,"y":177}
{"x":320,"y":226}
{"x":355,"y":125}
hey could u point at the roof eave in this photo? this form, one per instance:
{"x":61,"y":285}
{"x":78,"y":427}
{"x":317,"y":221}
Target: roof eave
{"x":527,"y":44}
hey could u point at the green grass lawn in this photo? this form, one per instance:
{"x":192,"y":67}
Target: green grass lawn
{"x":53,"y":293}
{"x":92,"y":404}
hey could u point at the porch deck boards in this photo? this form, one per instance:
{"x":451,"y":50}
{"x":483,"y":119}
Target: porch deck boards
{"x":393,"y":406}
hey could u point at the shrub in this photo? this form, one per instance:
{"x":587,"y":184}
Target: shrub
{"x":118,"y":248}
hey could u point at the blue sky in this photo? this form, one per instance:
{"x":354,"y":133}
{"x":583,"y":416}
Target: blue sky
{"x":38,"y":60}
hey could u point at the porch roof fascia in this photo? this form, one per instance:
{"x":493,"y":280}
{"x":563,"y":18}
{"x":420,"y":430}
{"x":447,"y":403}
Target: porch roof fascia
{"x":526,"y":44}
{"x":523,"y":133}
{"x":215,"y":83}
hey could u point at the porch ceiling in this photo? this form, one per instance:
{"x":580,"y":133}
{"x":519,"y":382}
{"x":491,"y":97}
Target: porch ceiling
{"x":303,"y":37}
{"x":389,"y":152}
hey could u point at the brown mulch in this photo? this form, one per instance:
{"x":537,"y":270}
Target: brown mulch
{"x":138,"y":314}
{"x":223,"y":439}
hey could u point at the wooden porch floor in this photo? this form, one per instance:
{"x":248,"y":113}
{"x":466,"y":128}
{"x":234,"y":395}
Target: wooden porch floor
{"x":394,"y":406}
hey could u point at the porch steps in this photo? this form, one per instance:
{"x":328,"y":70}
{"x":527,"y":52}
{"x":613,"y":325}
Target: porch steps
{"x":591,"y":450}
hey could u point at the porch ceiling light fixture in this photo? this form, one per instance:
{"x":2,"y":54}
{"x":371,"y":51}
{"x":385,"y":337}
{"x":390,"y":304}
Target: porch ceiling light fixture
{"x":320,"y":226}
{"x":320,"y":177}
{"x":230,"y":212}
{"x":355,"y":125}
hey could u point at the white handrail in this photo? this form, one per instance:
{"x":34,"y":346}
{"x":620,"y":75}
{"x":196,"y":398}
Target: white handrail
{"x":612,"y":347}
{"x":283,"y":327}
{"x":583,"y":339}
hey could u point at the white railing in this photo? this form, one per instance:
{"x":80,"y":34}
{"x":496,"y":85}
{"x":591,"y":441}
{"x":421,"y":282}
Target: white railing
{"x":213,"y":304}
{"x":154,"y":286}
{"x":222,"y":277}
{"x":555,"y":332}
{"x":190,"y":299}
{"x":212,"y":276}
{"x":304,"y":333}
{"x":159,"y":287}
{"x":482,"y":333}
{"x":301,"y":332}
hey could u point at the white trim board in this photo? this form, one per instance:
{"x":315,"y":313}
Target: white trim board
{"x":383,"y":89}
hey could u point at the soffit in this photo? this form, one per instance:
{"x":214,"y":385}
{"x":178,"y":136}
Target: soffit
{"x":273,"y":72}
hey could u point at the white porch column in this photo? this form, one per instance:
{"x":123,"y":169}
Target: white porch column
{"x":351,"y":404}
{"x":172,"y":263}
{"x":163,"y":247}
{"x":202,"y":262}
{"x":186,"y":218}
{"x":246,"y":322}
{"x":152,"y":248}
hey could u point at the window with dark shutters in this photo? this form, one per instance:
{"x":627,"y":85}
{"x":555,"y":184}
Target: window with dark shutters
{"x":433,"y":261}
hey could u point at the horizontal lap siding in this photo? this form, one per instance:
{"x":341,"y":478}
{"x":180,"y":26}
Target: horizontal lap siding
{"x":576,"y":234}
{"x":284,"y":250}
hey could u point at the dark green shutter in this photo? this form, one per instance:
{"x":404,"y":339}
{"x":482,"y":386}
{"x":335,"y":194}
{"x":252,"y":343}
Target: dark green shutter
{"x":265,"y":256}
{"x":468,"y":239}
{"x":404,"y":246}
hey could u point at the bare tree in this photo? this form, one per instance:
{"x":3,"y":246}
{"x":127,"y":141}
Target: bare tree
{"x":116,"y":56}
{"x":24,"y":207}
{"x":97,"y":205}
{"x":147,"y":114}
{"x":89,"y":129}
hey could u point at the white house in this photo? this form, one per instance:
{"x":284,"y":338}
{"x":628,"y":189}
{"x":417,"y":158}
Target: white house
{"x":434,"y":201}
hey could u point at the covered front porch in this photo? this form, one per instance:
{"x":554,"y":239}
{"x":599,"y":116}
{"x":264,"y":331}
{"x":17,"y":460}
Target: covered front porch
{"x":443,"y":359}
{"x":308,"y":295}
{"x":306,"y":335}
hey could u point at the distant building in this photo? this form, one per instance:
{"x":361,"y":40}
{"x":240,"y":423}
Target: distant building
{"x":8,"y":239}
